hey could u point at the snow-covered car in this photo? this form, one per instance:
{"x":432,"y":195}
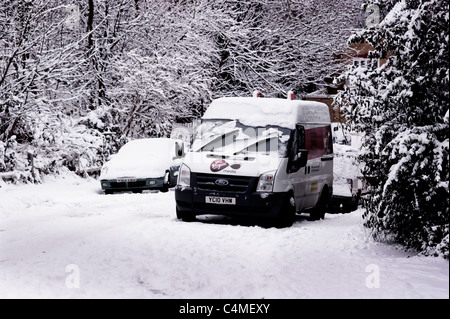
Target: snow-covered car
{"x":348,"y":185}
{"x":143,"y":164}
{"x":339,"y":134}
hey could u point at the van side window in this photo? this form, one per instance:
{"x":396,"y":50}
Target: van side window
{"x":299,"y":138}
{"x":300,"y":132}
{"x":328,"y":141}
{"x":319,"y":141}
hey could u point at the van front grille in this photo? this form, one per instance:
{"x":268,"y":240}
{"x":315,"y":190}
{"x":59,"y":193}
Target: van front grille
{"x":226,"y":183}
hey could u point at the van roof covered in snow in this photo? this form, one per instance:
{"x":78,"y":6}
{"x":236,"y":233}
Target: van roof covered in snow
{"x":255,"y":111}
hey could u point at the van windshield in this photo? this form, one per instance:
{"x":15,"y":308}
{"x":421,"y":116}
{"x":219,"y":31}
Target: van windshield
{"x":232,"y":138}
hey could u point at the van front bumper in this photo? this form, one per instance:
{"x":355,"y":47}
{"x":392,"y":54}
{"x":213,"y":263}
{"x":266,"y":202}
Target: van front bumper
{"x":193,"y":201}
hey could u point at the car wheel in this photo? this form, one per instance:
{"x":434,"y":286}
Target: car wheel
{"x":108,"y":192}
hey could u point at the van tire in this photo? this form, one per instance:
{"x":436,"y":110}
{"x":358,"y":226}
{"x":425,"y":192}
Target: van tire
{"x":186,"y":217}
{"x":286,"y":215}
{"x":322,"y":206}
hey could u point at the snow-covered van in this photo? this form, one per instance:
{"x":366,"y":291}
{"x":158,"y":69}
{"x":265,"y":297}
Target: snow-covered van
{"x":258,"y":157}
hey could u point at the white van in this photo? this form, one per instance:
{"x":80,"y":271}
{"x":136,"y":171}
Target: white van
{"x":258,"y":157}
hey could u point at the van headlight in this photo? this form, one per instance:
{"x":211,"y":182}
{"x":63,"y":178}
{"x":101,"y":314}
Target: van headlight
{"x":184,"y":176}
{"x":265,"y":183}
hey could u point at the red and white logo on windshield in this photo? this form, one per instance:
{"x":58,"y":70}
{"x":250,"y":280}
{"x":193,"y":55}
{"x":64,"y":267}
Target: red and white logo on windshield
{"x":218,"y":165}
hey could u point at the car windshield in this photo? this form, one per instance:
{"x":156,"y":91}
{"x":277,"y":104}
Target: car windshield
{"x":232,"y":137}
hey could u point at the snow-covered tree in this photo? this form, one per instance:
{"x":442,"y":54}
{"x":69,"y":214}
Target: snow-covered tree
{"x":402,"y":109}
{"x":40,"y":86}
{"x":165,"y":67}
{"x":277,"y":46}
{"x":105,"y":71}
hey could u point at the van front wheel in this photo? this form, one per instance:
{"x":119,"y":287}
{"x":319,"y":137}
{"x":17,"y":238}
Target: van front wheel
{"x":186,"y":217}
{"x":286,"y":216}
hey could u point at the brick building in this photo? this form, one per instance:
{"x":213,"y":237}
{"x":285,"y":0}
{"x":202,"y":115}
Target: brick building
{"x":356,"y":56}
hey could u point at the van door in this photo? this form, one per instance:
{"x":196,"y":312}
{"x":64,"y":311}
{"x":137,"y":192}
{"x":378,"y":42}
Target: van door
{"x":297,"y":161}
{"x":319,"y":169}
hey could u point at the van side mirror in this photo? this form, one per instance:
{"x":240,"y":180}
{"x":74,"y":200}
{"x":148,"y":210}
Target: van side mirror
{"x":297,"y":161}
{"x":179,"y":150}
{"x":302,"y":157}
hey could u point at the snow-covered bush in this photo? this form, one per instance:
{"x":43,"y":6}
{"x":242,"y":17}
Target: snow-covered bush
{"x":55,"y":146}
{"x":402,"y":109}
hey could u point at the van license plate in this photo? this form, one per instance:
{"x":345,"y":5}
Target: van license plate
{"x":220,"y":200}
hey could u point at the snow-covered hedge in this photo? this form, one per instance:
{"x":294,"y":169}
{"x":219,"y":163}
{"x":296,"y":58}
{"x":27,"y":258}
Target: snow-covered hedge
{"x":53,"y":148}
{"x":402,"y":109}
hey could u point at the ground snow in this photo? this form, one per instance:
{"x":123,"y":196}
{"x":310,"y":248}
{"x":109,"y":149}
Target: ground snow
{"x":65,"y":239}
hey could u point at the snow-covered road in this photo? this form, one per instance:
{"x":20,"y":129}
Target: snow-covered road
{"x":65,"y":239}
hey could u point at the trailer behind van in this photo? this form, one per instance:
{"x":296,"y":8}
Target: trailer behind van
{"x":261,"y":158}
